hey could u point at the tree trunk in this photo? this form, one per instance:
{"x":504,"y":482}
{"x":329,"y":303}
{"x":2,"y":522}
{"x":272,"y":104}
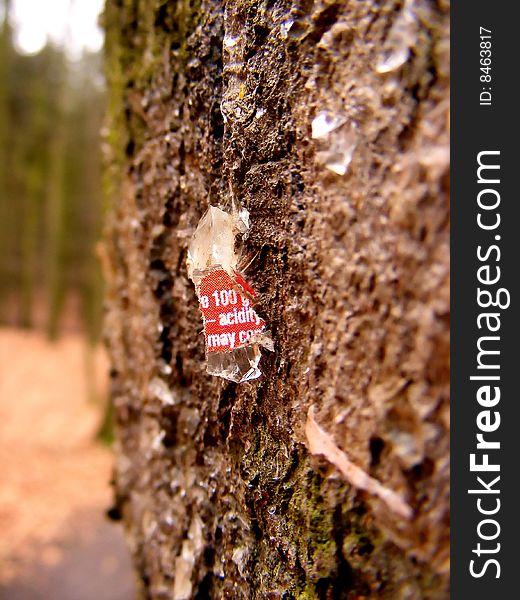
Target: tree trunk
{"x":214,"y":103}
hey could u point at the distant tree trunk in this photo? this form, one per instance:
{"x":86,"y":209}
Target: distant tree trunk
{"x":5,"y":236}
{"x":55,"y":216}
{"x":210,"y":101}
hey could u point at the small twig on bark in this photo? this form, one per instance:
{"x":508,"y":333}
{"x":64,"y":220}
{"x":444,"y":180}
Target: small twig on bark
{"x":322,"y":443}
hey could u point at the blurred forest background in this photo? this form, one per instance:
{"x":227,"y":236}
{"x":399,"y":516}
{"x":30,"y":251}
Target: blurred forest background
{"x":54,"y":488}
{"x":51,"y":203}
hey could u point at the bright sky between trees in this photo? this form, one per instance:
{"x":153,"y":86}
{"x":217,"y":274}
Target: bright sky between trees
{"x":69,"y":23}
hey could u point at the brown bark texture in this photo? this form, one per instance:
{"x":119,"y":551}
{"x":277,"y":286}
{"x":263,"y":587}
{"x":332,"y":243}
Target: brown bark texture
{"x":214,"y":101}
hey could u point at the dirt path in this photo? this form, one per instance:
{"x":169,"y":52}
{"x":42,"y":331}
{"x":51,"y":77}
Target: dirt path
{"x":55,"y":541}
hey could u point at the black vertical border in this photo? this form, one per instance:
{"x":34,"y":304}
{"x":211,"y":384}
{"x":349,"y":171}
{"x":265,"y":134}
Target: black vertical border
{"x":476,"y":128}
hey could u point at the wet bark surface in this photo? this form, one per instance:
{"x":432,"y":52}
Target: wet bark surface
{"x":212,"y":103}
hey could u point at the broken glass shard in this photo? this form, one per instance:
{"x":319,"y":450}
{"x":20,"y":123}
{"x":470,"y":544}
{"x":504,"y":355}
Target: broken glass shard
{"x":401,"y":38}
{"x":285,"y":27}
{"x":337,"y":140}
{"x":159,"y":389}
{"x":324,"y":123}
{"x":230,"y":41}
{"x":213,"y":243}
{"x":233,"y":331}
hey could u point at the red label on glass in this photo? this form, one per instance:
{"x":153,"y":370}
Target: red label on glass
{"x":229,"y":319}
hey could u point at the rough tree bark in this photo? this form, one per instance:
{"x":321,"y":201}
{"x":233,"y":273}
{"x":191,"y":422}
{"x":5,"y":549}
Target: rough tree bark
{"x":218,"y":491}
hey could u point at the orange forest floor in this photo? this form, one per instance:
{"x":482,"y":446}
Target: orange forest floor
{"x":54,"y":480}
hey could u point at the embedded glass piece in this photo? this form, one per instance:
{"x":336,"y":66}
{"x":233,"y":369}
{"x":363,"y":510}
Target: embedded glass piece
{"x":337,"y":141}
{"x":324,"y":123}
{"x":230,"y":41}
{"x":401,"y":37}
{"x":233,"y":331}
{"x":285,"y":27}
